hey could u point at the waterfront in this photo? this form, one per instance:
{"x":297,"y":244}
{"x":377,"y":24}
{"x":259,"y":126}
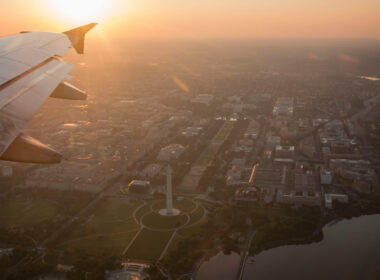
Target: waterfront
{"x":220,"y":266}
{"x":349,"y":250}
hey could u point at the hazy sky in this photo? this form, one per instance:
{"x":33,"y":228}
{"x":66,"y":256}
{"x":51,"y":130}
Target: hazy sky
{"x":198,"y":18}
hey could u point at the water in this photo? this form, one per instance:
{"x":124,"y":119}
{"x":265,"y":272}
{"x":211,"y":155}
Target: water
{"x":221,"y":267}
{"x":350,"y":250}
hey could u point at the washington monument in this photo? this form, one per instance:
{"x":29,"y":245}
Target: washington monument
{"x":169,"y":211}
{"x":169,"y":192}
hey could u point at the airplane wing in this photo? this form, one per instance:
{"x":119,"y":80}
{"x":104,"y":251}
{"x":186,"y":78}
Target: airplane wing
{"x":31,"y":70}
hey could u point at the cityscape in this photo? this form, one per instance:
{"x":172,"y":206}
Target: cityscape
{"x":203,"y":158}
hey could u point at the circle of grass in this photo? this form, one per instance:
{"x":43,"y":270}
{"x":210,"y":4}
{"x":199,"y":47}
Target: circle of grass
{"x":186,"y":205}
{"x":191,"y":213}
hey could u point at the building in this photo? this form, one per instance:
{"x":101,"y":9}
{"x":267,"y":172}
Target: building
{"x":359,"y":173}
{"x":252,"y":130}
{"x":284,"y":154}
{"x":234,"y":176}
{"x":139,"y":186}
{"x":130,"y":271}
{"x":331,"y":197}
{"x":306,"y":181}
{"x":269,"y":175}
{"x":299,"y":197}
{"x":326,"y":176}
{"x":191,"y":131}
{"x":171,"y":152}
{"x":203,"y":99}
{"x":151,"y":170}
{"x":273,"y":141}
{"x":284,"y":106}
{"x":249,"y":194}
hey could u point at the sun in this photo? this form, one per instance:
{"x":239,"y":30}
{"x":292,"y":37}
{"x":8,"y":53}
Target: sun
{"x":81,"y":10}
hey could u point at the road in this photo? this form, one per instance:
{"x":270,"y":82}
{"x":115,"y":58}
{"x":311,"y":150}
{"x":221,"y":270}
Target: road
{"x":245,"y":252}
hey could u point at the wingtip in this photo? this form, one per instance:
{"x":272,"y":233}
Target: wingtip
{"x":77,"y":35}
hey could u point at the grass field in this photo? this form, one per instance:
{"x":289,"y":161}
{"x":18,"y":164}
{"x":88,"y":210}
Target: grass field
{"x":149,"y":245}
{"x":152,"y":240}
{"x":224,"y":132}
{"x":112,"y":228}
{"x":213,"y":148}
{"x":156,"y":221}
{"x":109,"y":229}
{"x":208,"y":155}
{"x":26,"y":212}
{"x":143,"y":210}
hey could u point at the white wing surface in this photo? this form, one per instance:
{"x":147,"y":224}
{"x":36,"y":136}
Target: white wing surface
{"x":30,"y":71}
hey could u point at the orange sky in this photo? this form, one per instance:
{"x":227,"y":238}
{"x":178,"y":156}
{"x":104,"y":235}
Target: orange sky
{"x":201,"y":18}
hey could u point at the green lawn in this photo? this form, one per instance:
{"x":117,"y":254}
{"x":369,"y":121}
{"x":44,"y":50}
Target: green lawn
{"x":213,"y":148}
{"x":156,"y":221}
{"x":196,"y":215}
{"x":149,"y":245}
{"x":224,"y":132}
{"x":26,"y":212}
{"x":143,"y":210}
{"x":109,"y":229}
{"x":208,"y":155}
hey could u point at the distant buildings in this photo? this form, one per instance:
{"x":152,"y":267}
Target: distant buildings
{"x":284,"y":106}
{"x":70,"y":176}
{"x":191,"y":131}
{"x":358,"y":173}
{"x":247,"y":194}
{"x":130,"y":271}
{"x":330,"y":198}
{"x":204,"y":99}
{"x":299,"y":197}
{"x":326,"y":176}
{"x":139,"y":187}
{"x":284,"y":154}
{"x":171,"y":152}
{"x":253,"y":130}
{"x":151,"y":170}
{"x":244,"y":145}
{"x":272,"y":141}
{"x":238,"y":174}
{"x":269,"y":175}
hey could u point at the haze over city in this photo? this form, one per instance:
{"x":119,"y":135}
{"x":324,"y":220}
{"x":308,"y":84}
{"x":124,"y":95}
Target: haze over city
{"x":190,"y":140}
{"x":208,"y":18}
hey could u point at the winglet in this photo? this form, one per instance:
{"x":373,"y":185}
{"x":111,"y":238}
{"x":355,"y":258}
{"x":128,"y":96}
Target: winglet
{"x":77,"y":35}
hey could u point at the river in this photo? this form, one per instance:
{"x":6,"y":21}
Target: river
{"x":350,"y":249}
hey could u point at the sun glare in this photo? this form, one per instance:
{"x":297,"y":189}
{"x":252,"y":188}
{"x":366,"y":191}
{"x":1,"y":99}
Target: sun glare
{"x":81,"y":10}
